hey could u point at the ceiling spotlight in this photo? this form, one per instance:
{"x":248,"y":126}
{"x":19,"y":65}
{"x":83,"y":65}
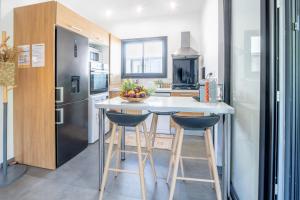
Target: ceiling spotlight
{"x":108,"y":13}
{"x":173,"y":5}
{"x":139,"y":9}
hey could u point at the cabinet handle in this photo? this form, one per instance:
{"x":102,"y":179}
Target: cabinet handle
{"x":61,"y":116}
{"x":59,"y":94}
{"x":76,"y":28}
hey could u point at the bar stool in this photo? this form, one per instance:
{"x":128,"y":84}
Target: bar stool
{"x":153,"y":131}
{"x":195,"y":123}
{"x":119,"y":120}
{"x":153,"y":128}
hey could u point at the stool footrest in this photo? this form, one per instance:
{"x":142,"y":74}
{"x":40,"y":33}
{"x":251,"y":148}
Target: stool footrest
{"x":132,"y":152}
{"x":123,"y":171}
{"x":193,"y":158}
{"x":195,"y":179}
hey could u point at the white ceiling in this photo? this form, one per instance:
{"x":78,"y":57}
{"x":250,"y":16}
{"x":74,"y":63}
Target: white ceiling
{"x":125,"y":10}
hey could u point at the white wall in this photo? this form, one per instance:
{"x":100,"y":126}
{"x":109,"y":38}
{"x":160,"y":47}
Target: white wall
{"x":203,"y":26}
{"x":170,"y":26}
{"x":210,"y":38}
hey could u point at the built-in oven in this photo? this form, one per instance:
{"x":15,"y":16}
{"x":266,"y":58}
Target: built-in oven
{"x":98,"y":78}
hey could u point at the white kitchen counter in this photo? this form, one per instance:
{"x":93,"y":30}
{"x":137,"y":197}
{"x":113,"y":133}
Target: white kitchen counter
{"x":167,"y":104}
{"x":158,"y":90}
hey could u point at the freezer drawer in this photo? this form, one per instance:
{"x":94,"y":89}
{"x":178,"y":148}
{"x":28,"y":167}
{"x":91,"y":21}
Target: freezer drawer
{"x":71,"y":130}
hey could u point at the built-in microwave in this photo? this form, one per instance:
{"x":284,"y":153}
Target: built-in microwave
{"x":96,"y":55}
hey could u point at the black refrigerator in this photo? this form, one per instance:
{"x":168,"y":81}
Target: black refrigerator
{"x":71,"y":94}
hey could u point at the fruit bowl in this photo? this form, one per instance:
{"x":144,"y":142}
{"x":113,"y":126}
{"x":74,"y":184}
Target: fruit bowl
{"x":134,"y":99}
{"x":133,"y":92}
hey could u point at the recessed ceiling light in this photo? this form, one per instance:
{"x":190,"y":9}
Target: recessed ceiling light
{"x":139,"y":9}
{"x":108,"y":13}
{"x":173,"y":5}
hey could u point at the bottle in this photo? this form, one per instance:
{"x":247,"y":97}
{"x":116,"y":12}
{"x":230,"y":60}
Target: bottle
{"x":206,"y":95}
{"x":213,"y":90}
{"x":201,"y":90}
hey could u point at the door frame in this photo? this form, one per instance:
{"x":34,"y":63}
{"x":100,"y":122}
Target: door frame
{"x":291,"y":139}
{"x":267,"y":95}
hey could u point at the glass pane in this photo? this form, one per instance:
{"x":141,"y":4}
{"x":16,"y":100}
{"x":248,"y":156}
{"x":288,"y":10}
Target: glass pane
{"x":245,"y":96}
{"x":153,"y":53}
{"x":134,"y":58}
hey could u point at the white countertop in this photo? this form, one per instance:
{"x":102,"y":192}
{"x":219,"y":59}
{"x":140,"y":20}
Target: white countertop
{"x":168,"y":104}
{"x":158,"y":90}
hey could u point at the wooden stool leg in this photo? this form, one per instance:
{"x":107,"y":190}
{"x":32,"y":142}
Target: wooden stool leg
{"x":174,"y":145}
{"x":153,"y":128}
{"x":176,"y":164}
{"x":108,"y":160}
{"x":213,"y":163}
{"x":181,"y":167}
{"x":148,"y":144}
{"x":118,"y":156}
{"x":209,"y":159}
{"x":140,"y":159}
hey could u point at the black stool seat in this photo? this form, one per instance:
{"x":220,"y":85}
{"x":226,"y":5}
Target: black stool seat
{"x":123,"y":119}
{"x":162,"y":113}
{"x":192,"y":122}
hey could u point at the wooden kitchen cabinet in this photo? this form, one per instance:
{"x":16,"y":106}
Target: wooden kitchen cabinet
{"x":34,"y":96}
{"x":76,"y":23}
{"x":184,"y":94}
{"x":113,"y":94}
{"x":115,"y":62}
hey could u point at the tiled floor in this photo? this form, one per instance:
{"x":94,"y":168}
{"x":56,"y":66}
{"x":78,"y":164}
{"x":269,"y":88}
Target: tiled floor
{"x":78,"y":179}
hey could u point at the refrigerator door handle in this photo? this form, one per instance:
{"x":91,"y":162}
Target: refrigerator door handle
{"x":60,"y":94}
{"x":60,"y":111}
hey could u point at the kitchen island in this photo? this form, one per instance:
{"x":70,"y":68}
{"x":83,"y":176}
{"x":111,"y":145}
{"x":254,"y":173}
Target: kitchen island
{"x":171,"y":104}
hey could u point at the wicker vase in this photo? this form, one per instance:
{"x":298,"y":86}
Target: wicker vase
{"x":7,"y":74}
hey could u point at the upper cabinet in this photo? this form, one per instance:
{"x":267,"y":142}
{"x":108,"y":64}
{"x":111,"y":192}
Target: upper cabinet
{"x":76,"y":23}
{"x":115,"y":62}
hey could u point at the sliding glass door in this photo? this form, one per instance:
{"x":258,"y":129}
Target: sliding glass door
{"x":291,"y":159}
{"x":245,"y":70}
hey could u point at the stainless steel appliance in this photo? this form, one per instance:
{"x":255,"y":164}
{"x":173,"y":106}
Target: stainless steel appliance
{"x":185,"y":65}
{"x":71,"y":94}
{"x":98,"y":78}
{"x":99,"y":72}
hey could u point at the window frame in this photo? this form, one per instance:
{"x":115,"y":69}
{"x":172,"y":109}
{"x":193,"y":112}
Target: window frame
{"x":164,"y":74}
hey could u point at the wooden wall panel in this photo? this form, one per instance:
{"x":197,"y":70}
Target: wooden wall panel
{"x":115,"y":62}
{"x":34,"y":97}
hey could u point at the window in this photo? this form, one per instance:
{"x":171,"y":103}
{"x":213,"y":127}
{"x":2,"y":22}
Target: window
{"x":144,"y":58}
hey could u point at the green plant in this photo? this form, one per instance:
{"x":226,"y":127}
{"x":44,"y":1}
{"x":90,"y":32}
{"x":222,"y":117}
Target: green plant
{"x":131,"y":89}
{"x":128,"y":85}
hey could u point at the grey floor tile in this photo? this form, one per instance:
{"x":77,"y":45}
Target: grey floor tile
{"x":78,"y":179}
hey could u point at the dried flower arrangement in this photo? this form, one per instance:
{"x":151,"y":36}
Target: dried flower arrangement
{"x":8,"y":57}
{"x":7,"y":54}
